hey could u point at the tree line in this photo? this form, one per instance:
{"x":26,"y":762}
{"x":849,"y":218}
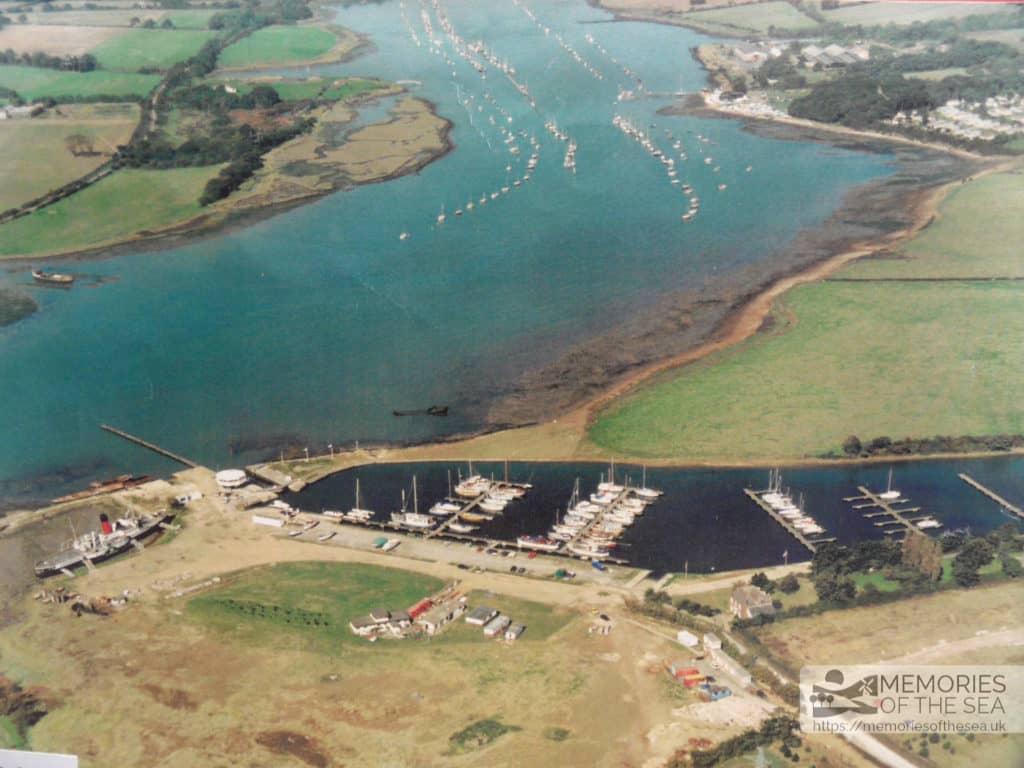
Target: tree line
{"x":884,"y":445}
{"x":83,"y":63}
{"x":868,"y":93}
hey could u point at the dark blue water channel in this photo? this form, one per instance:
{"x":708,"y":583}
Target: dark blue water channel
{"x":704,"y":520}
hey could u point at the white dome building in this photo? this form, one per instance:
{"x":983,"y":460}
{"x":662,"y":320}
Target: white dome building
{"x":231,"y":478}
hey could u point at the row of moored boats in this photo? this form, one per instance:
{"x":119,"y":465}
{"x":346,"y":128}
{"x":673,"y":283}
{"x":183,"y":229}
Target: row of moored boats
{"x":591,"y":526}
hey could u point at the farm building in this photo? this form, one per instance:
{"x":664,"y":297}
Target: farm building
{"x":434,"y":619}
{"x":834,"y":55}
{"x":749,"y":601}
{"x":420,"y":608}
{"x":711,"y":641}
{"x":496,"y":626}
{"x":687,"y":638}
{"x":752,"y":54}
{"x":400,"y":619}
{"x":363,"y":626}
{"x":481,"y":615}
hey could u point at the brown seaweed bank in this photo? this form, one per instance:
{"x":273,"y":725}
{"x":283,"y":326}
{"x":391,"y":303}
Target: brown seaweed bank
{"x":871,"y":214}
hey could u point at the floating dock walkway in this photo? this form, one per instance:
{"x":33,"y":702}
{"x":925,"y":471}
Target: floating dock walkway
{"x":468,"y":538}
{"x":810,"y":544}
{"x":992,"y":495}
{"x":470,"y":505}
{"x":886,"y":508}
{"x":151,"y":446}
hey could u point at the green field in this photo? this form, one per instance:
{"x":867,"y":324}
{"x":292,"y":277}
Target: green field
{"x":315,"y":88}
{"x":189,"y":19}
{"x":153,"y":48}
{"x":354,"y":86}
{"x":541,"y":620}
{"x":938,"y":74}
{"x":278,"y":45}
{"x":317,"y":601}
{"x":876,"y":579}
{"x":751,"y":18}
{"x":907,"y":13}
{"x":969,"y":238}
{"x":1014,"y":37}
{"x":32,"y":83}
{"x":22,"y":141}
{"x":335,"y":592}
{"x":871,"y":359}
{"x":118,"y":206}
{"x":893,"y":359}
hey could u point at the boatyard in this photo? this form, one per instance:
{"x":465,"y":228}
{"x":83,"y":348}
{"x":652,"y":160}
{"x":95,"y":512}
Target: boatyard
{"x":483,"y":605}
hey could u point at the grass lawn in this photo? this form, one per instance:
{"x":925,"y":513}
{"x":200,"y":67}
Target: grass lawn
{"x":973,"y":235}
{"x":278,"y":45}
{"x":23,"y":141}
{"x":990,"y":571}
{"x":334,"y":592}
{"x":32,"y":83}
{"x":159,"y":48}
{"x":880,"y":582}
{"x":118,"y":206}
{"x":317,"y":600}
{"x":755,"y":19}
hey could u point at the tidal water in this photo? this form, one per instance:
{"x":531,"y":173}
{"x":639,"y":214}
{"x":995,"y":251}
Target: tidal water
{"x":312,"y":326}
{"x":703,"y":522}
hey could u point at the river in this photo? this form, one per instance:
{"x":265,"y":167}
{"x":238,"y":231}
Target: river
{"x":312,"y":326}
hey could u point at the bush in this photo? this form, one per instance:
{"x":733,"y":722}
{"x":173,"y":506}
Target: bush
{"x":1011,"y":565}
{"x":975,"y":554}
{"x":788,"y":584}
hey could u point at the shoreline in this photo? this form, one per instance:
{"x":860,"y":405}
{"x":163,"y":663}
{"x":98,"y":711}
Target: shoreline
{"x":742,"y":319}
{"x":233,"y":218}
{"x":350,"y":45}
{"x":835,"y":134}
{"x":688,"y":326}
{"x":324,"y":466}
